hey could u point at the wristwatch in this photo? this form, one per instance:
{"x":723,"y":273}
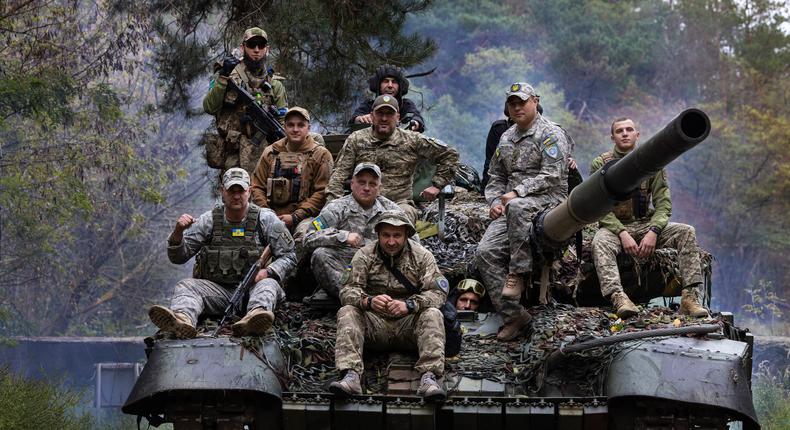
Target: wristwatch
{"x":655,"y":230}
{"x":410,"y":306}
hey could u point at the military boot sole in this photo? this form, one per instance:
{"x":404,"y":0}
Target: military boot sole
{"x":166,"y":320}
{"x":341,"y":390}
{"x":257,"y":324}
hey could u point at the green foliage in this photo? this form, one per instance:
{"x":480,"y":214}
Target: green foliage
{"x":765,"y":304}
{"x":27,"y":403}
{"x":771,"y":390}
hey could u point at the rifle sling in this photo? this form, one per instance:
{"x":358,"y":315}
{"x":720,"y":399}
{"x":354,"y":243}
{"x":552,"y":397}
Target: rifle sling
{"x":400,"y":276}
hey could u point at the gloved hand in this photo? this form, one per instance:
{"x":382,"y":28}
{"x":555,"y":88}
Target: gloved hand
{"x":228,"y":65}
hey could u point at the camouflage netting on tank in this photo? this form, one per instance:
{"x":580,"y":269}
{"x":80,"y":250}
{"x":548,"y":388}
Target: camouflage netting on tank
{"x":308,"y":346}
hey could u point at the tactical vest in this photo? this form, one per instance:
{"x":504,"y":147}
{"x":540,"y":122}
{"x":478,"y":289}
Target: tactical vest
{"x":231,"y":250}
{"x":284,"y":184}
{"x":230,"y":119}
{"x":637,"y":205}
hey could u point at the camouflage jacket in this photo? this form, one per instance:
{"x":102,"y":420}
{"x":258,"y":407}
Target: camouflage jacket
{"x":369,"y":277}
{"x":531,"y":162}
{"x":658,"y":215}
{"x":397,"y":156}
{"x":341,"y":217}
{"x":314,"y":167}
{"x":274,"y":232}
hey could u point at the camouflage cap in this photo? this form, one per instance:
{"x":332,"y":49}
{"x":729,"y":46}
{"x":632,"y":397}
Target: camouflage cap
{"x":361,"y":167}
{"x":396,"y":218}
{"x":299,"y":111}
{"x":385,"y":101}
{"x":521,"y":89}
{"x":255,"y":32}
{"x":236,"y":176}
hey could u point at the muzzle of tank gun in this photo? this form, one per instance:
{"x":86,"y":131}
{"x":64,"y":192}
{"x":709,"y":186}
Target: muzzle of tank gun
{"x":595,"y":197}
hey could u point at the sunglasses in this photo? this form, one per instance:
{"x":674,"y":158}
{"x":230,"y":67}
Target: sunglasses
{"x":252,"y":44}
{"x":471,"y":285}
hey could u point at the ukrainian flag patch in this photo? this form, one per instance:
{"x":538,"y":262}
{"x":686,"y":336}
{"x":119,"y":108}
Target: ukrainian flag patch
{"x":318,"y":223}
{"x":237,"y":232}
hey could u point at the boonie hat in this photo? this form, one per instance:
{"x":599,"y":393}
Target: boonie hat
{"x":367,"y":166}
{"x":396,"y":218}
{"x":299,"y":111}
{"x":255,"y":32}
{"x":236,"y":176}
{"x":385,"y":101}
{"x":521,"y":89}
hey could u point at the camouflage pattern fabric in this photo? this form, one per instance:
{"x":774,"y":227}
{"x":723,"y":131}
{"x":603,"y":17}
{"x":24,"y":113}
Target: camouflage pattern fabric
{"x":397,"y":156}
{"x":423,"y":331}
{"x":332,"y":264}
{"x":195,"y":297}
{"x":492,"y":261}
{"x":606,"y":245}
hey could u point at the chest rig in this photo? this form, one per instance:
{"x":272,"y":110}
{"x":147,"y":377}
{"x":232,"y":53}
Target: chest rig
{"x":232,"y":249}
{"x":233,"y":116}
{"x":284,"y":184}
{"x":638,"y":203}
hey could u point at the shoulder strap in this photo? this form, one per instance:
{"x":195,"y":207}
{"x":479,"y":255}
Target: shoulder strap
{"x":400,"y":277}
{"x":217,"y":223}
{"x":251,"y":223}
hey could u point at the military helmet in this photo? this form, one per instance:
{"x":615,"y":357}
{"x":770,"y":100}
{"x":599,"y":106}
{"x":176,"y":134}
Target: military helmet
{"x":396,"y":218}
{"x":467,"y":177}
{"x":472,"y":285}
{"x":382,"y":72}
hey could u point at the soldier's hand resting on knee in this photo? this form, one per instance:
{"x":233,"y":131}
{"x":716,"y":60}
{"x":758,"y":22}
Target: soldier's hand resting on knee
{"x":397,"y":308}
{"x":380,"y":302}
{"x":355,"y":239}
{"x":496,"y":211}
{"x":629,"y":244}
{"x":648,"y":244}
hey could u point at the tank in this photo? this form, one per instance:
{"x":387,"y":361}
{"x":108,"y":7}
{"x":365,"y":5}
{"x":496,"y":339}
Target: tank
{"x":580,"y":367}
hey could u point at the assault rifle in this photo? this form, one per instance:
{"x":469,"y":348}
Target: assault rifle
{"x":264,"y":122}
{"x":237,"y":300}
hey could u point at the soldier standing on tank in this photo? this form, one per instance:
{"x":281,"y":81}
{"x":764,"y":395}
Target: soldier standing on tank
{"x":390,"y":80}
{"x":397,"y":153}
{"x":636,"y":228}
{"x":528,"y":174}
{"x":226,"y":244}
{"x":381,"y":312}
{"x":344,"y":226}
{"x":292,"y":174}
{"x":235,"y":146}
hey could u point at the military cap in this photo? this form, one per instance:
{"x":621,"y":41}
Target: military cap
{"x":395,"y":218}
{"x":521,"y":89}
{"x":299,"y":111}
{"x":255,"y":32}
{"x":361,"y":167}
{"x":236,"y":176}
{"x":385,"y":101}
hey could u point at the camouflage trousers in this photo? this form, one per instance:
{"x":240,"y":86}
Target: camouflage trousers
{"x":606,"y":245}
{"x":195,"y":297}
{"x":298,"y":233}
{"x":423,"y":331}
{"x":239,"y":151}
{"x":329,"y":265}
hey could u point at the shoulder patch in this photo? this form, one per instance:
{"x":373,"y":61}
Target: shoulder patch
{"x":318,"y":224}
{"x":550,"y":147}
{"x":443,"y":284}
{"x":346,"y":276}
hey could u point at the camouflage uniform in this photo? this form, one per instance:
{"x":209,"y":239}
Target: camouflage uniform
{"x":397,"y":156}
{"x":533,"y":163}
{"x":194,"y":297}
{"x":292,"y":183}
{"x":327,"y":236}
{"x":637,"y":218}
{"x":422,"y":329}
{"x":235,"y":147}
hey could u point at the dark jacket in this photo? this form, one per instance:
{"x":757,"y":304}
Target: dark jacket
{"x":497,"y":128}
{"x":408,"y":112}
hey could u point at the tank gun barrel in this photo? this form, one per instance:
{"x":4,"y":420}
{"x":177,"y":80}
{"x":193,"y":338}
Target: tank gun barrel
{"x":614,"y":182}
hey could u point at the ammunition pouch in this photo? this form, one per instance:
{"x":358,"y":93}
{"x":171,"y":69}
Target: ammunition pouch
{"x":285,"y":184}
{"x":215,"y":150}
{"x":279,"y":190}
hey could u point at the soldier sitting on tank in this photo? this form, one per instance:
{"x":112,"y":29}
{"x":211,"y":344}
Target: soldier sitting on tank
{"x":292,"y":174}
{"x":235,"y":147}
{"x":391,"y":301}
{"x":344,"y":226}
{"x":226,"y":244}
{"x":528,"y":174}
{"x":390,"y":80}
{"x":397,"y":153}
{"x":636,"y":228}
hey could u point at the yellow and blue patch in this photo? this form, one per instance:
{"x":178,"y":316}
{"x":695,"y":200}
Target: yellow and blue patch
{"x":550,"y":147}
{"x":237,"y":232}
{"x":318,"y":224}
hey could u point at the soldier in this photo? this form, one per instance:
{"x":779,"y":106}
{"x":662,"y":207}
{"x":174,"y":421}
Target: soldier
{"x":226,"y":244}
{"x":391,"y":300}
{"x":344,"y":226}
{"x":396,"y":152}
{"x":468,"y":295}
{"x":292,"y":174}
{"x":237,"y":145}
{"x":391,"y":81}
{"x":528,"y":174}
{"x":636,"y":228}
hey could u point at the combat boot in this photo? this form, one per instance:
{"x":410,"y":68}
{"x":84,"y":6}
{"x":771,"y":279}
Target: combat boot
{"x":514,"y":328}
{"x":174,"y":322}
{"x":625,"y":308}
{"x":348,"y":386}
{"x":689,"y":303}
{"x":430,"y":390}
{"x":255,"y":323}
{"x":514,"y":286}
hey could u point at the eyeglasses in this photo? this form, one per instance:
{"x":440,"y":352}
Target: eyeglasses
{"x":472,"y":285}
{"x":252,"y":44}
